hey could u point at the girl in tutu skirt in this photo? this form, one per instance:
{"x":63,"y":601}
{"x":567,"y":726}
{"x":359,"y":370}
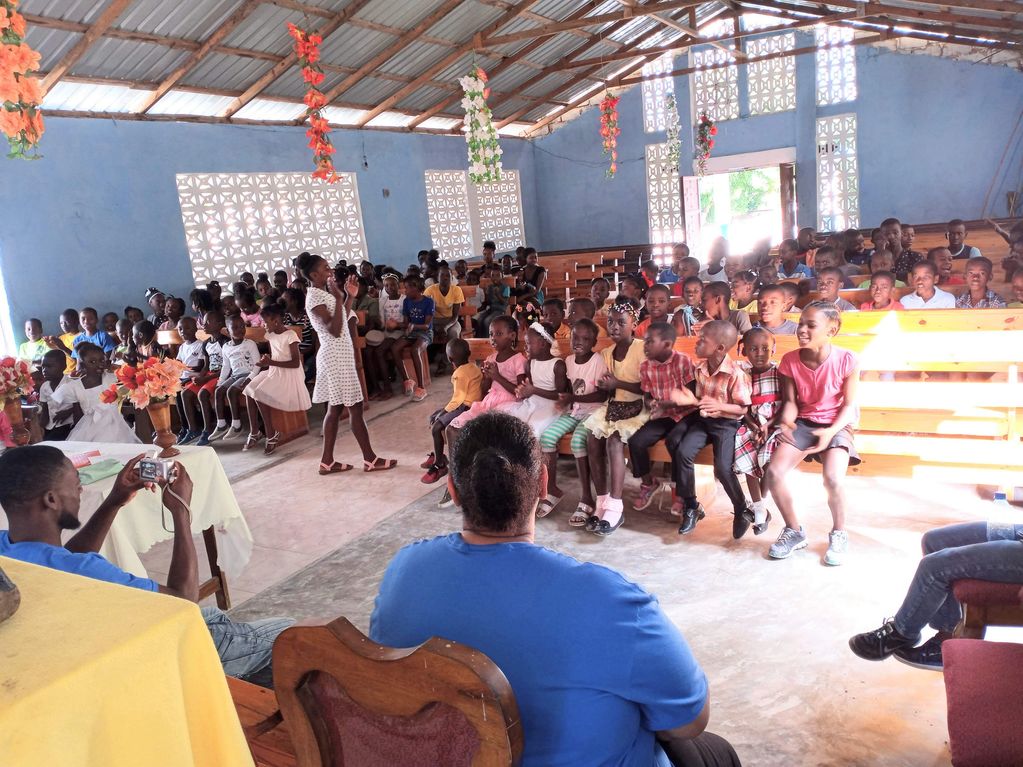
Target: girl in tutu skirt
{"x":619,"y":418}
{"x":95,"y":421}
{"x":281,"y":382}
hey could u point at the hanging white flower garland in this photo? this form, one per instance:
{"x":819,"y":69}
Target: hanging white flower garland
{"x":674,"y":136}
{"x":480,"y":134}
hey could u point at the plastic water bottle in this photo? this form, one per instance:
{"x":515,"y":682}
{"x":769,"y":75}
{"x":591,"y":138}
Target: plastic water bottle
{"x":1000,"y":524}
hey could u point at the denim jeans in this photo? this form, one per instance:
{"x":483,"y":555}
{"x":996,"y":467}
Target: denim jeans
{"x":244,"y":648}
{"x":970,"y":550}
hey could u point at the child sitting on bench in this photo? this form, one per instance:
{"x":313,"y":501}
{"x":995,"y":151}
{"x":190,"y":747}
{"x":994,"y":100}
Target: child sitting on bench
{"x":881,"y":285}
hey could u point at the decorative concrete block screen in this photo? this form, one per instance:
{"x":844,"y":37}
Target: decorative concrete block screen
{"x":838,"y":180}
{"x":836,"y":65}
{"x":664,"y":202}
{"x":463,"y":216}
{"x":772,"y":83}
{"x":258,"y":222}
{"x":656,"y":90}
{"x":716,"y":91}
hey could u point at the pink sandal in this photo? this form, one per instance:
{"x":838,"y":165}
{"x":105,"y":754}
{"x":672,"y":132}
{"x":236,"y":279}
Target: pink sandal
{"x":376,"y":465}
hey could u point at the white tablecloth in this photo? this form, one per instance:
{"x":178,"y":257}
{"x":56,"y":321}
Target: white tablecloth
{"x":139,"y":525}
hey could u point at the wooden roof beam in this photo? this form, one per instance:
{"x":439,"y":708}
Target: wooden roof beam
{"x":240,"y":14}
{"x":476,"y":41}
{"x":697,"y":39}
{"x":106,"y":19}
{"x":589,"y":21}
{"x":291,"y":59}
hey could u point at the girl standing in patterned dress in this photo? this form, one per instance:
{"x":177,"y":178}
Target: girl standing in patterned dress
{"x":337,"y":378}
{"x":756,"y":439}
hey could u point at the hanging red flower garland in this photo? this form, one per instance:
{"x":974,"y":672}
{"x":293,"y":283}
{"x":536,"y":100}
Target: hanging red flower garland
{"x":20,"y":119}
{"x":705,"y":130}
{"x":307,"y":48}
{"x":609,"y":130}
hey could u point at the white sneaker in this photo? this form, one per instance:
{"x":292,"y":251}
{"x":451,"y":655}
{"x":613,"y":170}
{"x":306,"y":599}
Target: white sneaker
{"x":838,"y":547}
{"x":219,"y":433}
{"x":233,"y":433}
{"x":446,"y":501}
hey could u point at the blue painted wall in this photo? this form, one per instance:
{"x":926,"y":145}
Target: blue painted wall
{"x":931,"y":132}
{"x":97,"y":220}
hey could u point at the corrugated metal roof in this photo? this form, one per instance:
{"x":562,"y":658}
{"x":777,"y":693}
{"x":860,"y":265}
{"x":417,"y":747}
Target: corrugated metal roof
{"x":192,"y":19}
{"x":263,"y":31}
{"x":128,"y":60}
{"x":177,"y":102}
{"x":52,"y":44}
{"x":270,"y":109}
{"x":229,"y":73}
{"x":390,"y":120}
{"x":343,"y":116}
{"x":439,"y":123}
{"x":89,"y":97}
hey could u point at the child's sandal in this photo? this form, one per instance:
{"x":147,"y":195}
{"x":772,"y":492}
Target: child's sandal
{"x":271,"y":443}
{"x":547,"y":505}
{"x":251,"y":441}
{"x":581,"y":514}
{"x":335,"y":468}
{"x":379,"y":464}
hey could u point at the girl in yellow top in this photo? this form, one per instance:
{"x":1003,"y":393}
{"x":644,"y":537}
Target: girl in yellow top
{"x":619,"y":418}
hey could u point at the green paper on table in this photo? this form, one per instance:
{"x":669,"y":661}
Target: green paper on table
{"x":97,"y":471}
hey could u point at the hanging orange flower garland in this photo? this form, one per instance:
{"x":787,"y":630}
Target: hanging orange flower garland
{"x":307,"y":48}
{"x":609,"y":130}
{"x":20,"y":119}
{"x":705,"y":132}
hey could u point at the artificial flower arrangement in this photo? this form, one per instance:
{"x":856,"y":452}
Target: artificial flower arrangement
{"x":152,"y":382}
{"x":609,"y":130}
{"x":705,"y":132}
{"x":480,"y":134}
{"x":307,"y":48}
{"x":20,"y":93}
{"x":673,"y":135}
{"x":15,"y":379}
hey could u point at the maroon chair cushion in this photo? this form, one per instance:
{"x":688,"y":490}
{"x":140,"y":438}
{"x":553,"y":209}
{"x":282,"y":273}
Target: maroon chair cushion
{"x":439,"y":734}
{"x":984,"y":687}
{"x":986,"y":593}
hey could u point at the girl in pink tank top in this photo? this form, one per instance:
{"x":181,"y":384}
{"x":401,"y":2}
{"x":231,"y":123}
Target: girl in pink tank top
{"x":818,"y":414}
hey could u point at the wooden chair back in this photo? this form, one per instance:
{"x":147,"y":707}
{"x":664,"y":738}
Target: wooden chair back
{"x":349,"y":702}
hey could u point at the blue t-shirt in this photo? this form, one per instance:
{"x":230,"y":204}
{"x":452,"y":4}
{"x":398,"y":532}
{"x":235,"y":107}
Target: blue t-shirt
{"x":101,"y":338}
{"x":416,"y":312}
{"x":802,"y":271}
{"x":667,"y":277}
{"x":596,"y":666}
{"x":59,"y":558}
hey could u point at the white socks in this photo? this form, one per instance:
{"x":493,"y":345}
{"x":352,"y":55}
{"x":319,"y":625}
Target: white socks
{"x":613,"y":511}
{"x":221,"y":423}
{"x":759,"y":512}
{"x":236,"y":423}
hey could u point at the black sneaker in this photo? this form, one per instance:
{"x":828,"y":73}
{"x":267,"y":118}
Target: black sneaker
{"x":880,"y":643}
{"x":689,"y":519}
{"x":927,"y":656}
{"x":741,"y":522}
{"x":762,"y":527}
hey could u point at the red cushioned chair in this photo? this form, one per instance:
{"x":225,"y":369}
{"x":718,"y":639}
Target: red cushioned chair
{"x":986,"y":603}
{"x":984,"y":687}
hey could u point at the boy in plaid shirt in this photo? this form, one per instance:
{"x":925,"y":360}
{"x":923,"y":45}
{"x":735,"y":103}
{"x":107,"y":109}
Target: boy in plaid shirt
{"x":663,"y":371}
{"x":723,"y":394}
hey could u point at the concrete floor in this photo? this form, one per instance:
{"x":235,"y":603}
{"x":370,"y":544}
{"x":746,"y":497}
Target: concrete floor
{"x":771,"y":635}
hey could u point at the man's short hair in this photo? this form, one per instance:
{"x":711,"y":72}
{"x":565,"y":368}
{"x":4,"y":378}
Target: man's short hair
{"x":28,"y":472}
{"x":890,"y":222}
{"x":956,"y":222}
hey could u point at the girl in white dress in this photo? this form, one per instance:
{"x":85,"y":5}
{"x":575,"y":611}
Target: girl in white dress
{"x":95,"y":421}
{"x":547,"y":379}
{"x":337,"y":377}
{"x":280,"y":383}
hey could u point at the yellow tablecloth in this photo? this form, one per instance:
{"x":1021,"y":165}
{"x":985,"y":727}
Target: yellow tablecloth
{"x":97,"y":674}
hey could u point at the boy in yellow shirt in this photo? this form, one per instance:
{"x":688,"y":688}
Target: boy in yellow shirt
{"x":466,"y":382}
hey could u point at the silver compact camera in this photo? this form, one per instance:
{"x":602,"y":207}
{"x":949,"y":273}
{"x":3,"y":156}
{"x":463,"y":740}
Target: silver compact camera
{"x":155,"y":470}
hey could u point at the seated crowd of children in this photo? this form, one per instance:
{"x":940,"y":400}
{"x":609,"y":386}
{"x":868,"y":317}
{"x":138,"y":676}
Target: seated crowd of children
{"x":759,"y":419}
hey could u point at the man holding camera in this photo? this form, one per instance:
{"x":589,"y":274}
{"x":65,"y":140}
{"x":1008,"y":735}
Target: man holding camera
{"x":40,"y":491}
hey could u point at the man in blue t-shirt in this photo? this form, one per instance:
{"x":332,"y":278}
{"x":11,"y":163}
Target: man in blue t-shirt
{"x":600,"y":673}
{"x":40,"y":491}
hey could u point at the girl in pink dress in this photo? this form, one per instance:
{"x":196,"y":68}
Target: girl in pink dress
{"x":503,"y":371}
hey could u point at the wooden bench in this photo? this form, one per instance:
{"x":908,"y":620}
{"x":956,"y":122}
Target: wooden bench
{"x":960,"y":432}
{"x":570,"y":275}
